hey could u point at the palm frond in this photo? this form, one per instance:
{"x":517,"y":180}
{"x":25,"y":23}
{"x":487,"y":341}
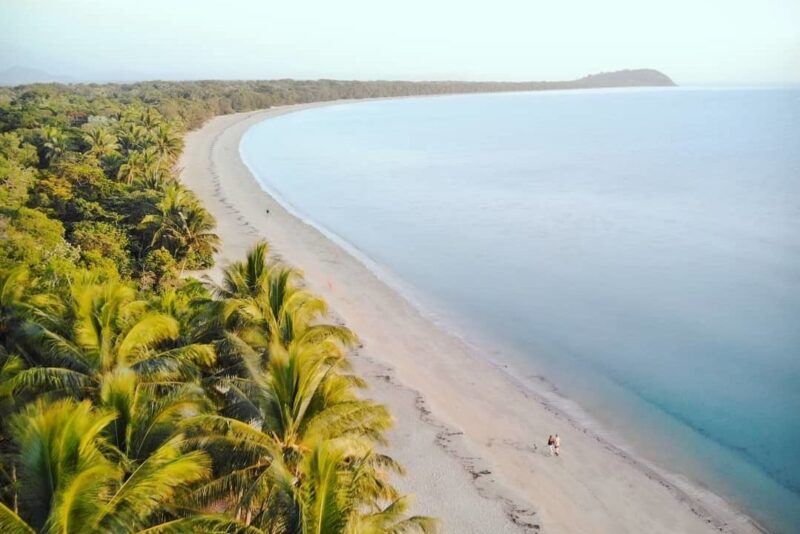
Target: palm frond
{"x":206,"y":523}
{"x":52,"y":348}
{"x":324,"y":508}
{"x":147,"y":332}
{"x":157,"y":480}
{"x":11,"y":523}
{"x":38,"y":379}
{"x":78,"y":504}
{"x":392,"y":520}
{"x":184,"y":363}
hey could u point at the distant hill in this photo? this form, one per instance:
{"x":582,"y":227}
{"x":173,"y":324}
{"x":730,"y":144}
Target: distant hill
{"x":23,"y":75}
{"x":626,"y":78}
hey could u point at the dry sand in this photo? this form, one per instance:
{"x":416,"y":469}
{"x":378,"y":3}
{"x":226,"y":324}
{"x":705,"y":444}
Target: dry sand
{"x":472,"y":439}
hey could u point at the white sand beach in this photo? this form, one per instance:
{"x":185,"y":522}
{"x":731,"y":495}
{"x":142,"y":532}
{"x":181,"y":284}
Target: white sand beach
{"x":473,"y":440}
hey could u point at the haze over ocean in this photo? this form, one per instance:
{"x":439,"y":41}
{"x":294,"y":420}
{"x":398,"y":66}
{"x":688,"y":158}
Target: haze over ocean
{"x":640,"y":248}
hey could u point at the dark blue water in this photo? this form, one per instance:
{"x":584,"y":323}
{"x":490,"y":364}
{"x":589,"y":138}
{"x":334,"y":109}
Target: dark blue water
{"x":640,"y":247}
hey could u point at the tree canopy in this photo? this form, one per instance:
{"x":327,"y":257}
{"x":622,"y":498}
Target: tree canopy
{"x":134,"y":399}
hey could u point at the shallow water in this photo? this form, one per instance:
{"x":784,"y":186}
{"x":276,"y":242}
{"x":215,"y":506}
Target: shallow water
{"x":641,"y":248}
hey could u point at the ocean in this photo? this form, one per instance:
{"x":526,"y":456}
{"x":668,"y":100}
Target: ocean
{"x":639,"y":248}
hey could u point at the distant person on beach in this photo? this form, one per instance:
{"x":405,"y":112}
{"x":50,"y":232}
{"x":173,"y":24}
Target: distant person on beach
{"x":551,"y":442}
{"x":556,"y":443}
{"x":267,"y":211}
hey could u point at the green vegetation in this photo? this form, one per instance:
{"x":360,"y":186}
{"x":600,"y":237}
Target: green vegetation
{"x":134,"y":399}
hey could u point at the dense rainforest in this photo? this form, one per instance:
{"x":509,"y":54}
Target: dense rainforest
{"x":194,"y":102}
{"x":135,"y":398}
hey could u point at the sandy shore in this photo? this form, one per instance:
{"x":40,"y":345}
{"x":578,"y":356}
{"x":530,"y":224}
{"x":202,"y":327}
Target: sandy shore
{"x":471,"y":438}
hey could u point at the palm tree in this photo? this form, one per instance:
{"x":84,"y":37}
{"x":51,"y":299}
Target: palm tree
{"x":167,"y":144}
{"x":275,"y":421}
{"x":147,"y":413}
{"x":16,"y":304}
{"x":195,"y":233}
{"x":284,"y":414}
{"x":132,"y":137}
{"x":338,"y":486}
{"x":13,"y":284}
{"x":264,"y":309}
{"x":271,"y":299}
{"x":309,"y":397}
{"x":138,"y":164}
{"x":148,"y":117}
{"x":150,"y":158}
{"x":101,"y":142}
{"x":132,"y":168}
{"x":10,"y":366}
{"x":61,"y":464}
{"x":74,"y":482}
{"x":182,"y":226}
{"x":156,"y":179}
{"x":341,"y":494}
{"x":110,"y":330}
{"x":54,"y":144}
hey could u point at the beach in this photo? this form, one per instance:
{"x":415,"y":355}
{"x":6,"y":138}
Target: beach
{"x":472,"y":439}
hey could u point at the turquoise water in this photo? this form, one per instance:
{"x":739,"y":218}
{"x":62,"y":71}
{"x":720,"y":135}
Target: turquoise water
{"x":640,"y":248}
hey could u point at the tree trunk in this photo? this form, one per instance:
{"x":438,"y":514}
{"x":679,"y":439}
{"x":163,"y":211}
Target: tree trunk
{"x":185,"y":260}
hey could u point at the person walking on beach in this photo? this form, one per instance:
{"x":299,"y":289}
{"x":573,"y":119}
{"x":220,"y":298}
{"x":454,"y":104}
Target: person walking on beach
{"x":551,"y":442}
{"x":556,"y":444}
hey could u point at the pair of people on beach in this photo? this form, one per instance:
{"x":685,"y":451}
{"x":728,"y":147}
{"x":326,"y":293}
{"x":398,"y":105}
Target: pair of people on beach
{"x":554,"y":443}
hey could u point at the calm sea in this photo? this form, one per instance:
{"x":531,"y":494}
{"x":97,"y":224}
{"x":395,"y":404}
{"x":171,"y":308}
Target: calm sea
{"x":639,"y":248}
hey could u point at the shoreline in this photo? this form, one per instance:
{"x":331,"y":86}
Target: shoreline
{"x":453,"y":406}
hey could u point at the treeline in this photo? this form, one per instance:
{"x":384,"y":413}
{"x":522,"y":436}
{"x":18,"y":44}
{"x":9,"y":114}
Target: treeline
{"x":192,"y":103}
{"x":135,"y":399}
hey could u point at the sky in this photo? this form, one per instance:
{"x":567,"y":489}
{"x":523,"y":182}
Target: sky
{"x":696,"y":42}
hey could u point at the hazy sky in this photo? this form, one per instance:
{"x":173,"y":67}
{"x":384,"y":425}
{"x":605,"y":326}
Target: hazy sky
{"x":693,"y":41}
